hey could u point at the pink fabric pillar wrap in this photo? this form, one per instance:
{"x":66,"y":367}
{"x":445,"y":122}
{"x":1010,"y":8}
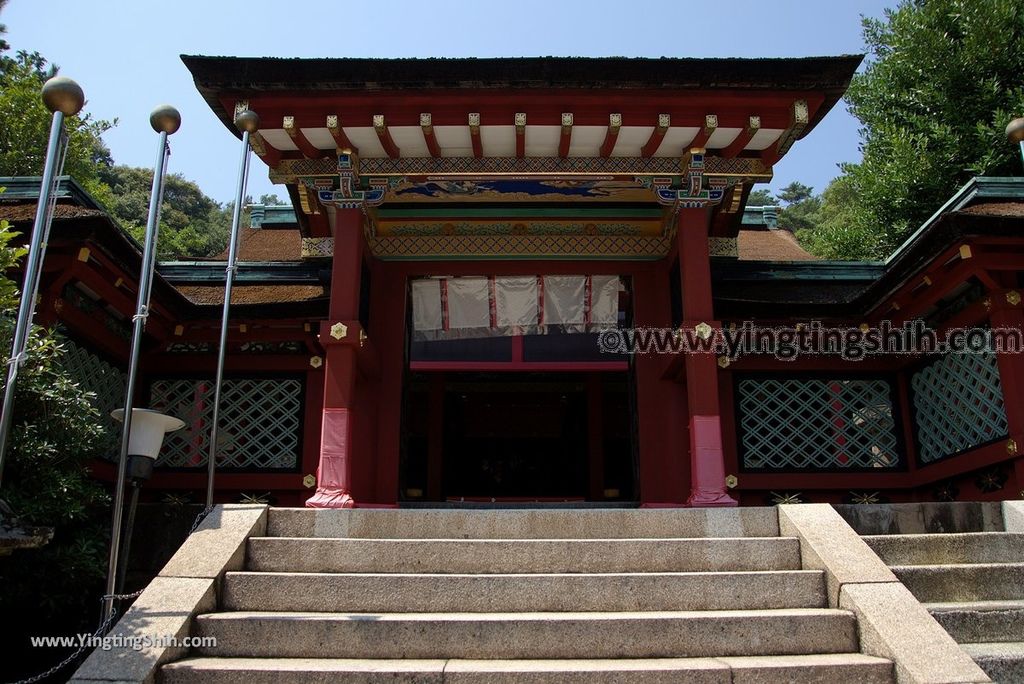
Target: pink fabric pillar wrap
{"x":333,"y":488}
{"x":707,"y":467}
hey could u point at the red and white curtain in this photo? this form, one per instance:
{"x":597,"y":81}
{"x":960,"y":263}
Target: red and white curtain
{"x":482,"y":306}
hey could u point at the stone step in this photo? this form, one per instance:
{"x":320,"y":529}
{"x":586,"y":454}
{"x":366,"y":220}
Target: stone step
{"x":1003,"y":662}
{"x":298,"y":554}
{"x":653,"y":523}
{"x":391,"y":593}
{"x":797,"y":669}
{"x":499,"y":636}
{"x":981,"y":621}
{"x":942,"y":517}
{"x":957,"y":583}
{"x":947,"y":549}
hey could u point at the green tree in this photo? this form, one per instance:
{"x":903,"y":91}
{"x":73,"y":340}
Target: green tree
{"x":761,"y":198}
{"x":3,"y":30}
{"x":271,"y":201}
{"x":839,"y":229}
{"x":191,"y":224}
{"x":54,"y":434}
{"x":25,"y":127}
{"x":800,"y":211}
{"x":943,"y":79}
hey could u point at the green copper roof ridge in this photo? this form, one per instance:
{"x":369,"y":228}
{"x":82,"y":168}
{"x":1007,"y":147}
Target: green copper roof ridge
{"x":1009,"y":187}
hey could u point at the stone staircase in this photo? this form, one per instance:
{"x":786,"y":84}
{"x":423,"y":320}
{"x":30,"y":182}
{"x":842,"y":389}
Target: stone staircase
{"x":971,"y":579}
{"x":526,"y":596}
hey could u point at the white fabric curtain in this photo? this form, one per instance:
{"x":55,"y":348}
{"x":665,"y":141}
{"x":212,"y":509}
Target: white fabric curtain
{"x":604,"y":301}
{"x":516,"y":301}
{"x":427,"y":314}
{"x":564,"y":300}
{"x":469,"y":303}
{"x":512,"y":305}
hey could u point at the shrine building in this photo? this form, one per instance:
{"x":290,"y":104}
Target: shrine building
{"x":428,"y":324}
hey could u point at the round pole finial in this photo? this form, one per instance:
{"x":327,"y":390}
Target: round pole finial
{"x":1015,"y":130}
{"x":61,"y":94}
{"x":248,"y":121}
{"x":165,"y":119}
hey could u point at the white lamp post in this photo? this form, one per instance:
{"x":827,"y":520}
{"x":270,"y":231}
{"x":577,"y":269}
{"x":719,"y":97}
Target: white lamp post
{"x":146,"y":437}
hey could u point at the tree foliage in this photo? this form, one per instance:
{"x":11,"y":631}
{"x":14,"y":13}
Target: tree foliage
{"x":191,"y":224}
{"x":54,"y":433}
{"x":943,"y":79}
{"x":25,"y":127}
{"x":761,"y":198}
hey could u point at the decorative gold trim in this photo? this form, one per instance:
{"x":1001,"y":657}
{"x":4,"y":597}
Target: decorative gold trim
{"x":703,"y":330}
{"x":315,"y":361}
{"x":317,"y":248}
{"x":1011,"y":446}
{"x":723,"y":247}
{"x":1013,"y":298}
{"x":514,"y":168}
{"x":309,"y":481}
{"x":731,"y":481}
{"x":339,"y":331}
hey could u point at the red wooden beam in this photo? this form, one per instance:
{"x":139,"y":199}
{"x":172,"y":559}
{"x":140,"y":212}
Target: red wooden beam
{"x":270,"y":155}
{"x":737,"y":145}
{"x":612,"y":134}
{"x":385,"y":136}
{"x":307,"y":148}
{"x":474,"y":135}
{"x":566,"y":138}
{"x":520,"y":134}
{"x":657,"y":135}
{"x":589,"y":108}
{"x":800,"y":117}
{"x":427,"y":127}
{"x":338,"y":133}
{"x":703,"y":135}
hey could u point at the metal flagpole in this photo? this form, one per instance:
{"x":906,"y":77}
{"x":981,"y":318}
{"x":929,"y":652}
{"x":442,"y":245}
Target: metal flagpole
{"x":63,"y":97}
{"x":165,"y":120}
{"x":247,"y":122}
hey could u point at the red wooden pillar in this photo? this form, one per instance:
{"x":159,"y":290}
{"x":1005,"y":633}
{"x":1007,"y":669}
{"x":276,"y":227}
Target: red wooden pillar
{"x":1011,"y":379}
{"x":707,"y":459}
{"x":339,"y":335}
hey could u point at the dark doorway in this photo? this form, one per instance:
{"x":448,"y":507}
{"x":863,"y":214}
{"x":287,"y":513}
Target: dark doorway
{"x":500,"y":436}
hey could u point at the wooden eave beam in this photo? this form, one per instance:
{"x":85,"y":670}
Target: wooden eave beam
{"x":611,"y":136}
{"x":799,"y":119}
{"x":381,"y":128}
{"x":737,"y":145}
{"x":270,"y":155}
{"x":657,"y":135}
{"x":427,"y":126}
{"x":474,"y":134}
{"x":703,"y":135}
{"x":338,"y":133}
{"x":566,"y":136}
{"x":307,"y":148}
{"x":520,"y":122}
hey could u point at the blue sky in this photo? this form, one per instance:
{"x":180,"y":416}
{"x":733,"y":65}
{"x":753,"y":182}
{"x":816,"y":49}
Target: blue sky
{"x":124,"y":53}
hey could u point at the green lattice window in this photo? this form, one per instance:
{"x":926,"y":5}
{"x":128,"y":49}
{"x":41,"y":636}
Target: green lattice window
{"x":106,"y":382}
{"x":816,"y":423}
{"x":261,"y":422}
{"x":958,"y":404}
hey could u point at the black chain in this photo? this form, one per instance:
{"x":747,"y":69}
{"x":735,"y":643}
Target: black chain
{"x":106,"y":624}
